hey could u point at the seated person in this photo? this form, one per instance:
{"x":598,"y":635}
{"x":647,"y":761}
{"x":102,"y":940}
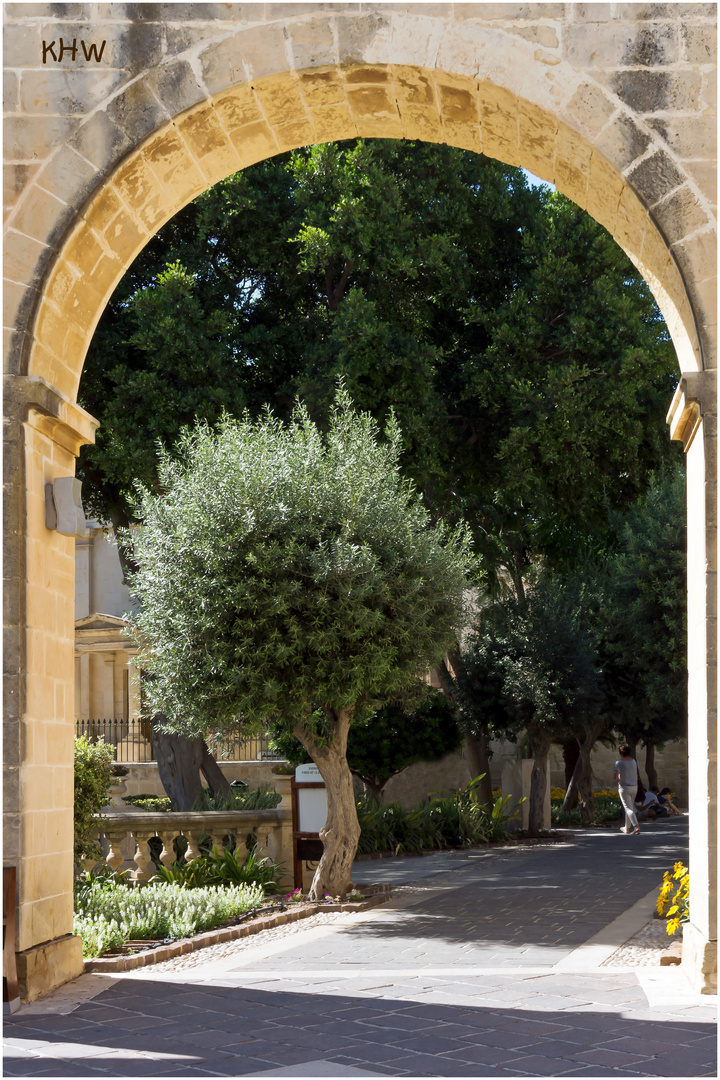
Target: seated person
{"x":665,"y":800}
{"x":649,"y":808}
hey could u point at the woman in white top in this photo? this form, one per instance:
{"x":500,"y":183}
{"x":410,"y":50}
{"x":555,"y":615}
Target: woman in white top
{"x":626,"y":778}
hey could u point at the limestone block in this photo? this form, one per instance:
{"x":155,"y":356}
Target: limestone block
{"x":413,"y":86}
{"x":171,"y":162}
{"x":704,"y":174}
{"x":681,"y":214}
{"x":333,"y":122}
{"x":374,"y":111}
{"x":622,"y":141}
{"x":280,"y":99}
{"x":68,"y":176}
{"x":589,"y":109}
{"x":238,"y":107}
{"x":655,"y":177}
{"x":362,"y":37}
{"x":545,"y":35}
{"x":508,"y":12}
{"x":620,"y":44}
{"x":20,"y":45}
{"x":124,"y":238}
{"x":605,"y":185}
{"x":136,"y":46}
{"x":15,"y":180}
{"x":209,"y":144}
{"x":420,"y":122}
{"x":699,"y":43}
{"x":312,"y":43}
{"x":321,"y":88}
{"x":362,"y":75}
{"x":137,"y":111}
{"x":33,"y":138}
{"x":138,"y":187}
{"x":293,"y":134}
{"x":101,"y":141}
{"x":254,"y":142}
{"x":417,"y":38}
{"x":250,"y":54}
{"x":44,"y":967}
{"x":67,"y":91}
{"x":649,"y":91}
{"x":176,"y":86}
{"x":537,"y":137}
{"x":15,"y":299}
{"x":499,"y":123}
{"x":40,"y":215}
{"x":631,"y":223}
{"x":23,"y":256}
{"x":11,"y":88}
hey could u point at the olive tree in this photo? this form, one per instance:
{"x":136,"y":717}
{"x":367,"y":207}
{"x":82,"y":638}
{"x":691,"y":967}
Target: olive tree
{"x":292,"y":577}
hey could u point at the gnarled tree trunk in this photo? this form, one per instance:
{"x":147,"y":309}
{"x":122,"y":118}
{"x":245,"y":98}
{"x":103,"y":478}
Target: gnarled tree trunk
{"x":540,"y":743}
{"x":587,"y":799}
{"x":178,"y":760}
{"x":571,"y":794}
{"x":216,"y":781}
{"x":341,"y":831}
{"x":571,"y":754}
{"x":650,"y":764}
{"x":477,"y":751}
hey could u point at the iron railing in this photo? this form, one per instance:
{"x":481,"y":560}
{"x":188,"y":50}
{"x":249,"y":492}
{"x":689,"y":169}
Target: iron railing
{"x":131,"y":739}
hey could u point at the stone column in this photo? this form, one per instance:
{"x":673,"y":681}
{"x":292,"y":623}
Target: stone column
{"x":693,"y":419}
{"x":44,"y":432}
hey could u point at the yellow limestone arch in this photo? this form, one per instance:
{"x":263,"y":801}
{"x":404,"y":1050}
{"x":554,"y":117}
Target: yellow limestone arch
{"x":256,"y":120}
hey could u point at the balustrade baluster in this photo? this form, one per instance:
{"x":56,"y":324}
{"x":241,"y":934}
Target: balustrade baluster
{"x":115,"y":837}
{"x":193,"y":851}
{"x":167,"y":855}
{"x":142,"y":856}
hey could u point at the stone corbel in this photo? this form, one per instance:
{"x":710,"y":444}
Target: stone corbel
{"x":46,"y":409}
{"x":695,"y":397}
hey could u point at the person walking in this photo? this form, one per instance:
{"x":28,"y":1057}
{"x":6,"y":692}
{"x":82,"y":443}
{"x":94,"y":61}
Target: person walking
{"x":626,"y":778}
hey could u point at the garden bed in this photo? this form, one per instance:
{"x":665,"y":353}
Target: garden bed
{"x":139,"y":954}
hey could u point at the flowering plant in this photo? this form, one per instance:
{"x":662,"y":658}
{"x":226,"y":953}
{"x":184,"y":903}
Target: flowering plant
{"x":294,"y":897}
{"x":679,"y":902}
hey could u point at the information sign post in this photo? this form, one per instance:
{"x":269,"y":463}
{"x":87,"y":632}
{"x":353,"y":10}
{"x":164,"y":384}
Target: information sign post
{"x":309,"y":814}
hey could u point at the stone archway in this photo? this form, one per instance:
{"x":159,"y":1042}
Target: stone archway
{"x":595,"y":101}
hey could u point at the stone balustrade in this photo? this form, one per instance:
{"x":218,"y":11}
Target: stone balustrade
{"x":127,"y":833}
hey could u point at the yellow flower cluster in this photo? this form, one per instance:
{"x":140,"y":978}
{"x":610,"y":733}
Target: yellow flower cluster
{"x":557,"y":793}
{"x":679,"y":901}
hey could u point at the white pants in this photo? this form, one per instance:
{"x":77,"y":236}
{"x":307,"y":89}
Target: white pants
{"x":627,"y":798}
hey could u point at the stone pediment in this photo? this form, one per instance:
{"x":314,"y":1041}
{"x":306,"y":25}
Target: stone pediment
{"x":99,"y":631}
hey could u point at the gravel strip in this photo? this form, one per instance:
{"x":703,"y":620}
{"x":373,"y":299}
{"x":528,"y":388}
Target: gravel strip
{"x":645,"y":948}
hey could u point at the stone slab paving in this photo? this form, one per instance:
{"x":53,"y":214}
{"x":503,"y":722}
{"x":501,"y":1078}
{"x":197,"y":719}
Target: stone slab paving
{"x":485,"y":964}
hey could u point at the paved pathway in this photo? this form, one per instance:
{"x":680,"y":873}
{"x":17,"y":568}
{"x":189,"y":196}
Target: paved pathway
{"x":485,"y":964}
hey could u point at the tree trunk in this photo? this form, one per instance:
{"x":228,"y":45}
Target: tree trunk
{"x":571,"y":753}
{"x":217,"y":782}
{"x":341,"y":831}
{"x":587,"y":799}
{"x":571,"y":795}
{"x":478,"y":756}
{"x":178,"y":760}
{"x":540,"y":743}
{"x":650,"y":764}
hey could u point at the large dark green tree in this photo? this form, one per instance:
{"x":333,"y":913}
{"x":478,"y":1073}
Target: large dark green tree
{"x":521,"y":351}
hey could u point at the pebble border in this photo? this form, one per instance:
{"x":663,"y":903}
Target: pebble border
{"x":380,"y":895}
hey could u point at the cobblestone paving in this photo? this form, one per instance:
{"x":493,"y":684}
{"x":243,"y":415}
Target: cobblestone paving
{"x":458,"y":977}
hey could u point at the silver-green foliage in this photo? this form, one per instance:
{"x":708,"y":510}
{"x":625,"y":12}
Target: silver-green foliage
{"x":111,"y":914}
{"x":281,"y":569}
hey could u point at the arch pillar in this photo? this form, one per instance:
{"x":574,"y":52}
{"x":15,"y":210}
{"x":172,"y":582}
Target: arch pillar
{"x":44,"y":432}
{"x":693,"y":420}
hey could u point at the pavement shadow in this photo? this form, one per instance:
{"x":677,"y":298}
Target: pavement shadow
{"x":156,"y":1028}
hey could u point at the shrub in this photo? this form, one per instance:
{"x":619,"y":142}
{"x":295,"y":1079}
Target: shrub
{"x":263,"y":798}
{"x":677,"y":906}
{"x":108,"y":914}
{"x":607,"y":808}
{"x":93,"y":777}
{"x":223,"y":868}
{"x":439,"y":822}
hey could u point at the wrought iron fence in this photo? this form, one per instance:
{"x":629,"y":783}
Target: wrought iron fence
{"x":131,"y":739}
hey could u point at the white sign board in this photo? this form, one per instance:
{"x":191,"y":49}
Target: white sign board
{"x":311,"y":802}
{"x":312,"y":809}
{"x":308,"y":774}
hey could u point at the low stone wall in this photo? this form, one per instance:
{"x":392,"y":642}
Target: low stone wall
{"x":143,"y":778}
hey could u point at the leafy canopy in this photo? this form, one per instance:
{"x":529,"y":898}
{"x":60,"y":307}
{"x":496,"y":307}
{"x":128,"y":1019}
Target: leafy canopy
{"x":521,"y":351}
{"x":282,"y":569}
